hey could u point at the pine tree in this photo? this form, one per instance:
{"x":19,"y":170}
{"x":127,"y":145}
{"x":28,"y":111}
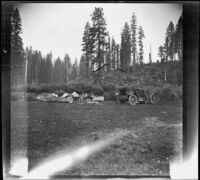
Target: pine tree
{"x":82,"y":68}
{"x":42,"y":72}
{"x":113,"y":53}
{"x":133,"y":38}
{"x":63,"y":69}
{"x":74,"y":72}
{"x":68,"y":66}
{"x":88,"y":47}
{"x":99,"y":34}
{"x":108,"y":54}
{"x":35,"y":66}
{"x":178,"y":34}
{"x":140,"y":43}
{"x":125,"y":51}
{"x":117,"y":56}
{"x":29,"y":54}
{"x":49,"y":68}
{"x":38,"y":70}
{"x":161,"y":52}
{"x":169,"y":41}
{"x":166,"y":49}
{"x":17,"y":51}
{"x":57,"y":71}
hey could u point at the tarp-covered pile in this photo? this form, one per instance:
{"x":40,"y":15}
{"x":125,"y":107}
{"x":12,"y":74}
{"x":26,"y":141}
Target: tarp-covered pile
{"x":55,"y":98}
{"x":70,"y":97}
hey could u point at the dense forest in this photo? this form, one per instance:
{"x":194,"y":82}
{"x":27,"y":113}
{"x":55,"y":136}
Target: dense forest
{"x":102,"y":60}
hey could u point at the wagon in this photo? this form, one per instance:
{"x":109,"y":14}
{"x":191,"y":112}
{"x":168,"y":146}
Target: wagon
{"x":134,"y":96}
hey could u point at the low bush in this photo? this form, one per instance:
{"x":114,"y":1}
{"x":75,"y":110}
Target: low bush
{"x":33,"y":89}
{"x":85,"y":87}
{"x":79,"y":87}
{"x":108,"y":87}
{"x":109,"y":96}
{"x":167,"y":92}
{"x":170,"y":93}
{"x":97,"y":90}
{"x":59,"y":92}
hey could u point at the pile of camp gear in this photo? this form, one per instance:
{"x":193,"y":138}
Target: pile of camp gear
{"x":90,"y":98}
{"x":70,"y":98}
{"x":52,"y":97}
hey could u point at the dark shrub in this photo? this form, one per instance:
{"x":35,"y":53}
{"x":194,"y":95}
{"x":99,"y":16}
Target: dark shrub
{"x":84,"y":87}
{"x":109,"y":96}
{"x":59,"y":92}
{"x":97,"y":90}
{"x":79,"y":87}
{"x":35,"y":89}
{"x":170,"y":93}
{"x":108,"y":87}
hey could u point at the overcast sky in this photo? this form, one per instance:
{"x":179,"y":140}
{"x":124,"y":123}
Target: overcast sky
{"x":59,"y":27}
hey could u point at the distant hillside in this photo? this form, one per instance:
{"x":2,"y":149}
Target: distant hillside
{"x":170,"y":72}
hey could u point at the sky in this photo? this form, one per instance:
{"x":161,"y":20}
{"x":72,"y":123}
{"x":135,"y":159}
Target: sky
{"x":59,"y":27}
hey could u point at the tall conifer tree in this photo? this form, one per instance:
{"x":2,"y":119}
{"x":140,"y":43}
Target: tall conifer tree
{"x":141,"y":36}
{"x":17,"y":51}
{"x":99,"y":34}
{"x":125,"y":51}
{"x":134,"y":38}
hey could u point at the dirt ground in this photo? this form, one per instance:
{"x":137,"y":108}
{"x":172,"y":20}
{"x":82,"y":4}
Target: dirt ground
{"x":152,"y":135}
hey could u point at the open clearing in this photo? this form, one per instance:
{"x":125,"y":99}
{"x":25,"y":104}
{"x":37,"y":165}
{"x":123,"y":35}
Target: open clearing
{"x":52,"y":126}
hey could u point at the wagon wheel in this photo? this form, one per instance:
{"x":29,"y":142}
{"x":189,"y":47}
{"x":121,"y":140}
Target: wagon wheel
{"x":132,"y":100}
{"x":70,"y":99}
{"x":155,"y":99}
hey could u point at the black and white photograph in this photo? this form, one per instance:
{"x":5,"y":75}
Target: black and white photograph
{"x":96,"y":89}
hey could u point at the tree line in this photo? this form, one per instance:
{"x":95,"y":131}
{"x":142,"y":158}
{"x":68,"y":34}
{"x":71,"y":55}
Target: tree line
{"x":173,"y":45}
{"x":46,"y":70}
{"x":98,"y":48}
{"x":17,"y":51}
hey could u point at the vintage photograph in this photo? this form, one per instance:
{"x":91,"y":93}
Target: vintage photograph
{"x":96,"y":89}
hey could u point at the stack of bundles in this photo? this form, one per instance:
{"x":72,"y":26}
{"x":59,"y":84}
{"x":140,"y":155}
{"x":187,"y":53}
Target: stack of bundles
{"x":55,"y":98}
{"x":98,"y":98}
{"x":76,"y":96}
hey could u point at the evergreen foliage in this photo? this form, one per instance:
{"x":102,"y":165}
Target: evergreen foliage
{"x":134,"y":38}
{"x":125,"y":52}
{"x":17,"y":51}
{"x":99,"y":49}
{"x":140,"y":43}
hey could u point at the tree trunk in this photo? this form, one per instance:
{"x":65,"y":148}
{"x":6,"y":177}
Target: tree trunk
{"x":87,"y":66}
{"x":67,"y":78}
{"x":26,"y":70}
{"x":36,"y":74}
{"x":61,"y":75}
{"x":133,"y":62}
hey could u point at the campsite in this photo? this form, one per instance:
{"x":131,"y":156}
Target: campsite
{"x":86,"y":77}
